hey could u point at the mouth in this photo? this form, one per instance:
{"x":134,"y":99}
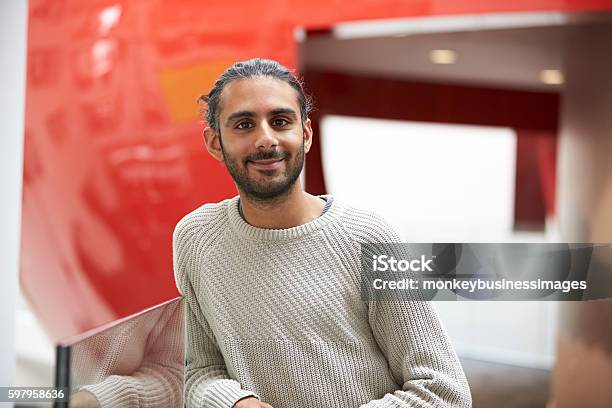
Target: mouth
{"x":268,"y":164}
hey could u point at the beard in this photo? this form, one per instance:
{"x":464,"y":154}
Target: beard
{"x":269,"y":188}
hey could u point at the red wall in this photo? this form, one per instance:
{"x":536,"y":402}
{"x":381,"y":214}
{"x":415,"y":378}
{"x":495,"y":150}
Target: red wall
{"x":534,"y":116}
{"x":113,"y":154}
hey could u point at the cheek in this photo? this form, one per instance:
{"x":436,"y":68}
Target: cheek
{"x":296,"y":142}
{"x":235,"y":149}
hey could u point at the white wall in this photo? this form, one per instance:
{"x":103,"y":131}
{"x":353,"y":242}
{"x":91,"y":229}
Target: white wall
{"x":438,"y":182}
{"x":13,"y":23}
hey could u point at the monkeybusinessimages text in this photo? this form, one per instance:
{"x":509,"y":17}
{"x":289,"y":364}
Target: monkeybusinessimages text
{"x":385,"y":263}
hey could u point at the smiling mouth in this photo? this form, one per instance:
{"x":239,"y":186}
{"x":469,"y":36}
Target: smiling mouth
{"x":268,"y":164}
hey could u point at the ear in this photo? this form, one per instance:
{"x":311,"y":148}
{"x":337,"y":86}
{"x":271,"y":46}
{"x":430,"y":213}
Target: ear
{"x":213,"y":143}
{"x":307,"y":135}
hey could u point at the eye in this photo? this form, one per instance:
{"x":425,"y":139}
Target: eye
{"x":244,"y":125}
{"x":279,"y":122}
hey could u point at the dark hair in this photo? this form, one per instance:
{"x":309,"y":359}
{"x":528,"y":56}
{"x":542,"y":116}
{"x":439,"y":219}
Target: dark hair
{"x":248,"y":69}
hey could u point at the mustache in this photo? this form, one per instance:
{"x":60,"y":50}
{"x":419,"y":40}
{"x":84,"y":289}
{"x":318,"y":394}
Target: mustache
{"x":267,"y":155}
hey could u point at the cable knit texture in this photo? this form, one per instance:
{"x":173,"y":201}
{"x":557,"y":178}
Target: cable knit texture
{"x":278,"y":314}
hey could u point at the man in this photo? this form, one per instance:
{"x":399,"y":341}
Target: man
{"x":271,"y":276}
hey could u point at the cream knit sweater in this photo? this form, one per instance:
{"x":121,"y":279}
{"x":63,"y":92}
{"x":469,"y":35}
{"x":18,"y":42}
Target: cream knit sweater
{"x":278,"y":314}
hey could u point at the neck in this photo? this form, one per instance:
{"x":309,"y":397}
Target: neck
{"x":294,"y":208}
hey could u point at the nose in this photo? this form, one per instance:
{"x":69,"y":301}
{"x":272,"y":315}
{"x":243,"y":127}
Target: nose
{"x":266,"y":137}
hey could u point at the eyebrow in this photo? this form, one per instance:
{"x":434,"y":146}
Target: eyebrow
{"x":250,"y":114}
{"x":283,"y":111}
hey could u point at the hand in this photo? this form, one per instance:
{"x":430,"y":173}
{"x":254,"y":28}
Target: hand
{"x":251,"y":402}
{"x":83,"y":399}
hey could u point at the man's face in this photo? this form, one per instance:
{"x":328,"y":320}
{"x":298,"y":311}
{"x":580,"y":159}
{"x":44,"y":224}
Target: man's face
{"x":262,"y":142}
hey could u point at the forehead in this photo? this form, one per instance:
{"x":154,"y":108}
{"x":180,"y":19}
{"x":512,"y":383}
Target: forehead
{"x":258,"y":95}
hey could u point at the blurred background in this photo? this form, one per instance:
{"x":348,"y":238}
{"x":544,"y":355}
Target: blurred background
{"x":462,"y":121}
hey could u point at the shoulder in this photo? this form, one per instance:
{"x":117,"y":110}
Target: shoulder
{"x":366,"y":225}
{"x":193,"y":234}
{"x":204,"y":219}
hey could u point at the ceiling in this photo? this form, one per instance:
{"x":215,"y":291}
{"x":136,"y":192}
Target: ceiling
{"x":507,"y":58}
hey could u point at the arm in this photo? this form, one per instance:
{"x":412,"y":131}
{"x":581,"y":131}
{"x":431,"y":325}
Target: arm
{"x":207,"y":383}
{"x":420,"y":356}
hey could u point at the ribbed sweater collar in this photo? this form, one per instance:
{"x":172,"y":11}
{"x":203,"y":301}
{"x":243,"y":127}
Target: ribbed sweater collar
{"x":242,"y":228}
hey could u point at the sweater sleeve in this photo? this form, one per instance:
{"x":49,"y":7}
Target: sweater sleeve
{"x":207,"y":382}
{"x":420,"y":355}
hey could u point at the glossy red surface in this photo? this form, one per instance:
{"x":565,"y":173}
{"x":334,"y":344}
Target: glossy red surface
{"x":113,"y":152}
